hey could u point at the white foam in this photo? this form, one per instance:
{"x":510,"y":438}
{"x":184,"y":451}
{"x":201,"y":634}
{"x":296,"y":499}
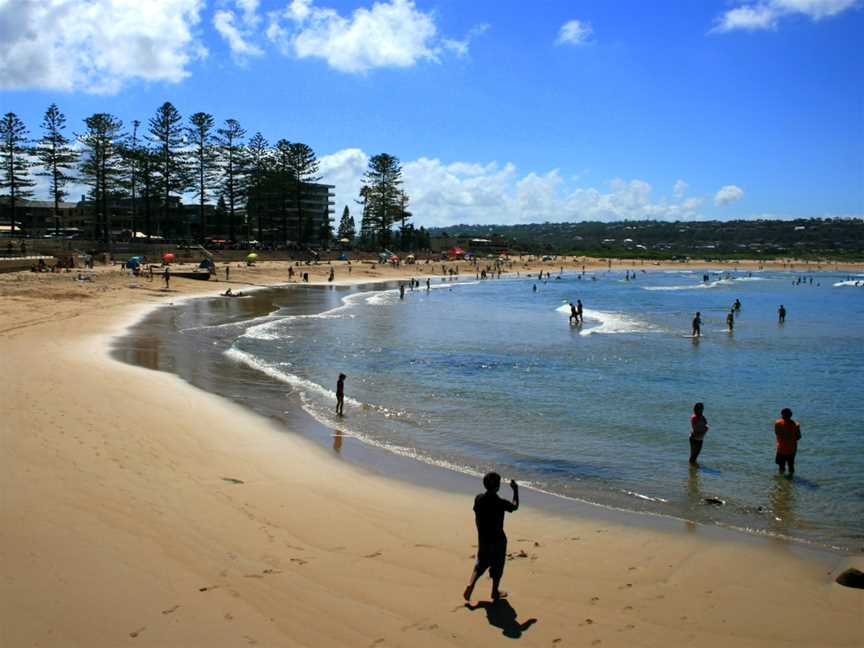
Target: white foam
{"x":850,"y":284}
{"x":713,"y":284}
{"x":282,"y":376}
{"x":610,"y":322}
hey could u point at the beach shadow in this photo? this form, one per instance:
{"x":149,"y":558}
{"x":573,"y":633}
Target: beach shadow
{"x":501,"y":614}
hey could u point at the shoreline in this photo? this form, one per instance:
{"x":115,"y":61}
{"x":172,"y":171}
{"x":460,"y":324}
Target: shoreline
{"x":137,"y":508}
{"x":425,"y":471}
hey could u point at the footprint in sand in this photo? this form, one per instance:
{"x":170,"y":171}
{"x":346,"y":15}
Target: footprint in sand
{"x":587,"y":622}
{"x":299,"y":561}
{"x":170,"y":610}
{"x":373,"y":555}
{"x":137,"y":632}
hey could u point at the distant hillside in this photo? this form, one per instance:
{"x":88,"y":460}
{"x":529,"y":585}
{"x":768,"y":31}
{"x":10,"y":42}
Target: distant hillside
{"x":834,"y":238}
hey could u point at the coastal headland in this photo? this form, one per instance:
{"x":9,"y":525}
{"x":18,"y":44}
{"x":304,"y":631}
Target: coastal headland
{"x":139,"y":510}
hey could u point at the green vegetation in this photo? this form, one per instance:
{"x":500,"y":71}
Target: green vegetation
{"x":835,"y":238}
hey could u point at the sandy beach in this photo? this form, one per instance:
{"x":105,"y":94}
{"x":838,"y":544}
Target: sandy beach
{"x":139,"y":510}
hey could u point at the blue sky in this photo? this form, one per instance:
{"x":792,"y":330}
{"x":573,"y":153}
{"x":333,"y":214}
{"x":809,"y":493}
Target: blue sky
{"x":501,"y":111}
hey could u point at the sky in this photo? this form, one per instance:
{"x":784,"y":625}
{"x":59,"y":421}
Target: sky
{"x":500,"y":111}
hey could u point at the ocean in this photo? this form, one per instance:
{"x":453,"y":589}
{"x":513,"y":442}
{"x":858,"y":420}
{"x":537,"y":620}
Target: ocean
{"x":476,"y":375}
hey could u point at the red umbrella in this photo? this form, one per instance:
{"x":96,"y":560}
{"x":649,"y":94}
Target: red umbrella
{"x":168,"y":257}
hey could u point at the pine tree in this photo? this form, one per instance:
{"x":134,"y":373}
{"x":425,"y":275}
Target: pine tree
{"x":167,"y":134}
{"x":147,"y":162}
{"x":284,"y":181}
{"x":14,"y":162}
{"x":129,"y":154}
{"x":100,"y":167}
{"x":232,"y":160}
{"x":346,"y":225}
{"x":258,"y":163}
{"x":204,"y":160}
{"x":367,"y":227}
{"x":303,"y":167}
{"x":382,"y":181}
{"x":406,"y":231}
{"x":57,"y":157}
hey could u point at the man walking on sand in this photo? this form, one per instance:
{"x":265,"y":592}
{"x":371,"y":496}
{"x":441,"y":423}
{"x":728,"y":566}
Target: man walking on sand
{"x":489,"y":510}
{"x":788,"y":432}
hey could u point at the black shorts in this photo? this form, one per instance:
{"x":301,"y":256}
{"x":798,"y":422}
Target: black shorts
{"x":782,"y":460}
{"x":491,"y":556}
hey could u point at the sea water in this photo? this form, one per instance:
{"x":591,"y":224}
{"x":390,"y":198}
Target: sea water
{"x":479,"y":375}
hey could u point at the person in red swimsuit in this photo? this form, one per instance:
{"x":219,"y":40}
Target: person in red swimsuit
{"x":788,"y":433}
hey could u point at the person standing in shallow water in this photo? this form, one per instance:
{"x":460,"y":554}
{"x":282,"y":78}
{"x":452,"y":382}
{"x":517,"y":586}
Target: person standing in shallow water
{"x":781,"y":314}
{"x":788,"y":433}
{"x":489,"y":510}
{"x":698,"y":430}
{"x":730,"y":320}
{"x":340,"y":394}
{"x":697,"y":325}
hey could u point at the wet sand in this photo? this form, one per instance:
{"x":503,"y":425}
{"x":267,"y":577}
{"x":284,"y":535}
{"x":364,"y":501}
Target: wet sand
{"x":140,"y":509}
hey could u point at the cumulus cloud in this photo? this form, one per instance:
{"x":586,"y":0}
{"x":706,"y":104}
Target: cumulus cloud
{"x":728,"y":195}
{"x":238,"y":31}
{"x":766,"y":14}
{"x":680,"y":188}
{"x":575,"y":32}
{"x":444,"y":194}
{"x":96,"y":45}
{"x":392,"y":33}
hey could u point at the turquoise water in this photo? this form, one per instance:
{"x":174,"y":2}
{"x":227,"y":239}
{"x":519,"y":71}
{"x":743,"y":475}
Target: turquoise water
{"x":477,"y":375}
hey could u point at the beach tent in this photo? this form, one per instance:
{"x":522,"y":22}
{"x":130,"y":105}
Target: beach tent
{"x":168,"y":257}
{"x":343,"y":257}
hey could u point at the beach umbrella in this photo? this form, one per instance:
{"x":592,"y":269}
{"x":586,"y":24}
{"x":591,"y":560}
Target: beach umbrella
{"x":168,"y":257}
{"x":251,"y":256}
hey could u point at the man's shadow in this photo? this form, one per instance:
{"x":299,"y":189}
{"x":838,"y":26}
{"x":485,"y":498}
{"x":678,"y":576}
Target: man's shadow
{"x":502,"y":615}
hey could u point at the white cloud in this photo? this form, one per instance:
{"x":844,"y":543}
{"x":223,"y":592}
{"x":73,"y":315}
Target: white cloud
{"x":727,"y":195}
{"x":766,"y":14}
{"x":467,"y":192}
{"x":96,"y":45}
{"x":575,"y":32}
{"x":680,"y":188}
{"x":238,"y":33}
{"x":392,"y":33}
{"x":460,"y":47}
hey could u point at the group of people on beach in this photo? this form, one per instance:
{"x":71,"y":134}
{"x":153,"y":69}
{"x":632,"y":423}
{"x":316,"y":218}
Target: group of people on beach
{"x":787,"y":432}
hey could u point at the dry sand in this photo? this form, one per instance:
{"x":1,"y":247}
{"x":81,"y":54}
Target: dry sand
{"x":138,"y":510}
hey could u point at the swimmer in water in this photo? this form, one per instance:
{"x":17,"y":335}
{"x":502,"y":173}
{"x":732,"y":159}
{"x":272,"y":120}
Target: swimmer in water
{"x":697,"y":325}
{"x":737,"y":305}
{"x":534,"y":288}
{"x":730,"y":320}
